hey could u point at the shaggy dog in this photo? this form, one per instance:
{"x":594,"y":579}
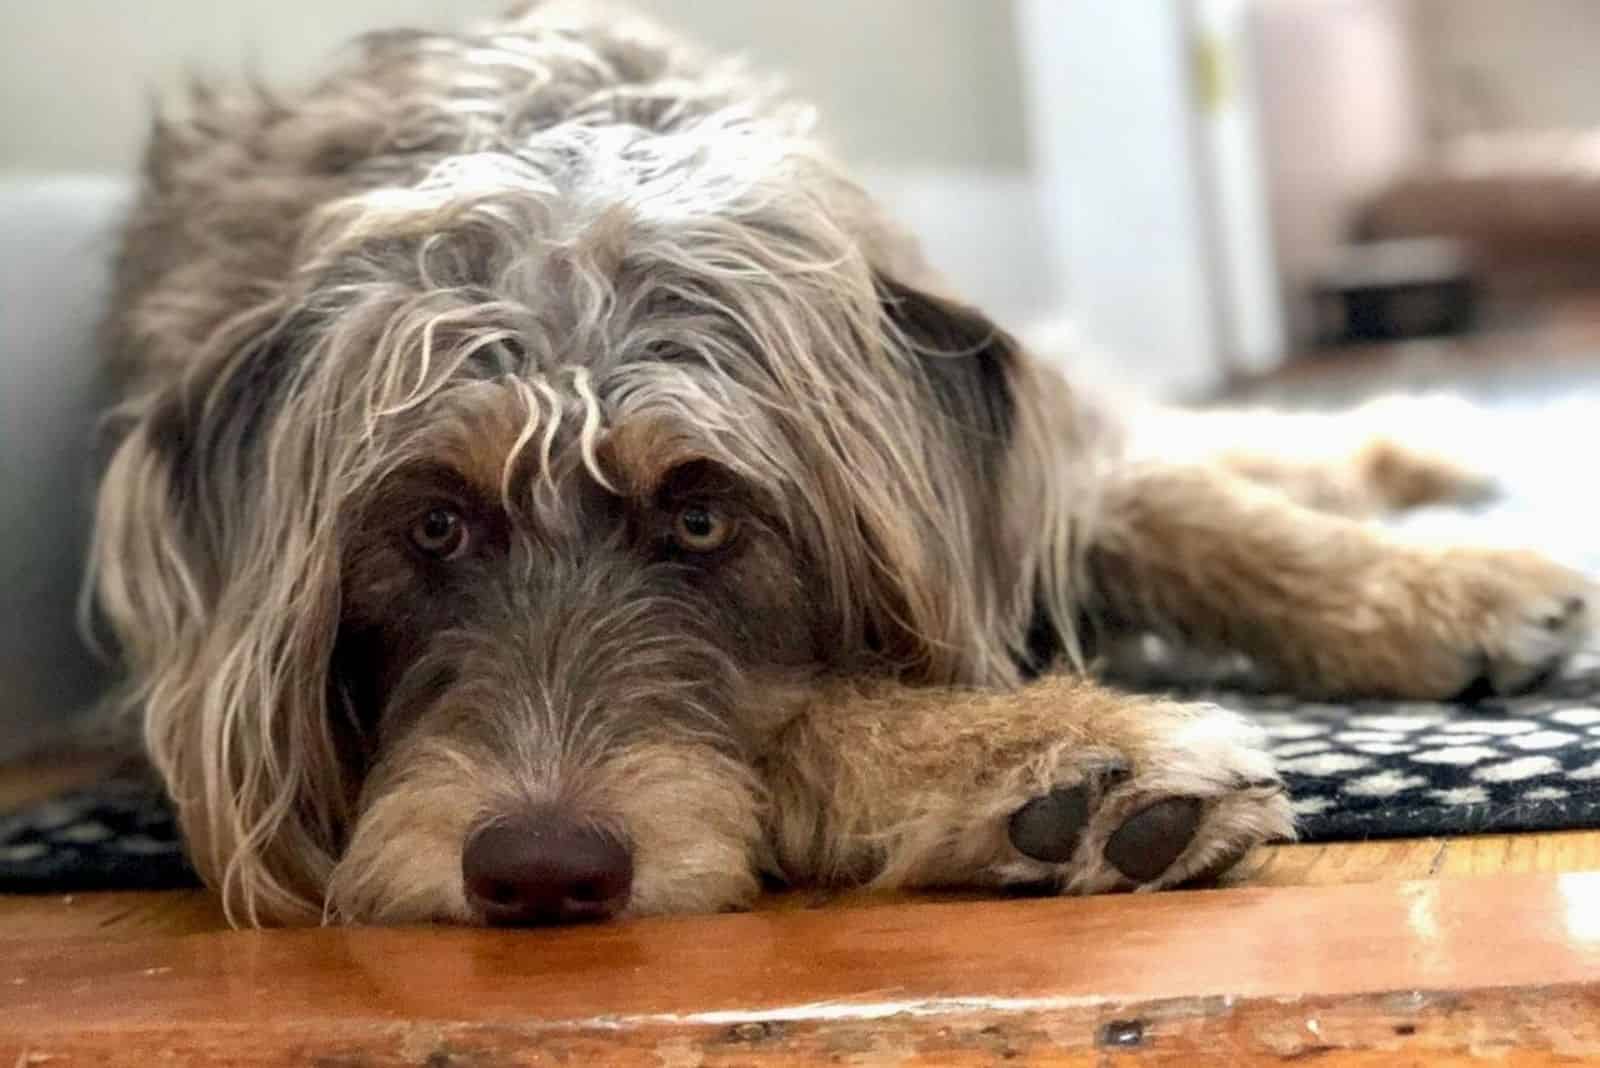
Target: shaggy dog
{"x":545,"y":488}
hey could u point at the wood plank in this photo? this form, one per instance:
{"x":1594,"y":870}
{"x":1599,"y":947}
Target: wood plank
{"x":123,"y":914}
{"x":1487,"y":854}
{"x":131,"y":914}
{"x":1463,"y":969}
{"x":1504,"y":1027}
{"x":1339,"y":863}
{"x":1389,"y":860}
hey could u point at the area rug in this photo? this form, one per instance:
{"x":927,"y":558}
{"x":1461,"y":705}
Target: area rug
{"x":1355,"y":770}
{"x":117,"y":835}
{"x":1395,"y":770}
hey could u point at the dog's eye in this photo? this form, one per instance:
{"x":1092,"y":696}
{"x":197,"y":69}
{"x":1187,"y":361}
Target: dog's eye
{"x":699,"y":528}
{"x":441,"y":534}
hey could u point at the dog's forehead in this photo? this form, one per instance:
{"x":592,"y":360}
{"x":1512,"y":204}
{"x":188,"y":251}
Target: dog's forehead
{"x":628,"y":430}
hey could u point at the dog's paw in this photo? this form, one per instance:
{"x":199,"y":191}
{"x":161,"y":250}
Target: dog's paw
{"x":1397,"y":477}
{"x":1199,"y":793}
{"x":1523,"y":618}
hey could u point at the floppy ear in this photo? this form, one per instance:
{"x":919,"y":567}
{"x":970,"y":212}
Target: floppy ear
{"x":207,"y":429}
{"x":1013,"y":430}
{"x":970,"y":365}
{"x":940,"y":531}
{"x":216,"y":565}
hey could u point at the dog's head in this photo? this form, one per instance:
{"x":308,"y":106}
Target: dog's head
{"x":464,"y":572}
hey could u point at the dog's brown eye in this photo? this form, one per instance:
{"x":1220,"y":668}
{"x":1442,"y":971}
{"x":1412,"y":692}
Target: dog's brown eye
{"x":442,"y":533}
{"x":700,"y":529}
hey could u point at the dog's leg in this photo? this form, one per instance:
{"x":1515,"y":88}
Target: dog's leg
{"x":1366,"y":462}
{"x":1329,"y":605}
{"x":1063,"y":785}
{"x":1376,"y":477}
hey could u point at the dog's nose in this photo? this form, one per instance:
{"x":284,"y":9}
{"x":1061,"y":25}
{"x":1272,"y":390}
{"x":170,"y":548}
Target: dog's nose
{"x":545,"y":870}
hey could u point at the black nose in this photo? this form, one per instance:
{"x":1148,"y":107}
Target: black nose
{"x":545,"y":870}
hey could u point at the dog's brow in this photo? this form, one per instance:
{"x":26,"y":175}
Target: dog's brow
{"x":643,"y":450}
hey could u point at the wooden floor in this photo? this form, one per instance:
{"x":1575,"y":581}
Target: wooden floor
{"x":1493,"y":969}
{"x":1559,"y":336}
{"x":1426,"y":952}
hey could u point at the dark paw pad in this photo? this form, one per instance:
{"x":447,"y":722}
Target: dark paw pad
{"x":1048,"y":828}
{"x":1479,"y":690}
{"x":1151,"y":839}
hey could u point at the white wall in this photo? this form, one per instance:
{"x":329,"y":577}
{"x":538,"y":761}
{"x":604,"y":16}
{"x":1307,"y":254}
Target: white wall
{"x":922,"y":96}
{"x":922,"y":83}
{"x":1112,"y":111}
{"x":986,"y":232}
{"x":1231,"y":138}
{"x":1502,"y":64}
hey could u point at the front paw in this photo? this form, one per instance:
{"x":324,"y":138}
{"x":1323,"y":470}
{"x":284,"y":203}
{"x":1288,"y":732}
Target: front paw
{"x":1189,"y":800}
{"x":1511,"y":621}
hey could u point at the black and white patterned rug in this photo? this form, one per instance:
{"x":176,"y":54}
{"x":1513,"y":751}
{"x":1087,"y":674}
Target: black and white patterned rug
{"x":1355,"y":771}
{"x":119,"y":835}
{"x":1400,"y":769}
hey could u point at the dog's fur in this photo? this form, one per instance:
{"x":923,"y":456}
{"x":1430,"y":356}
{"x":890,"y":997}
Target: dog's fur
{"x":564,"y":277}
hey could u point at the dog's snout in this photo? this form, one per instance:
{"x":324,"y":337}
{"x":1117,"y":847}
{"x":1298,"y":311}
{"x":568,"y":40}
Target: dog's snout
{"x":545,"y":870}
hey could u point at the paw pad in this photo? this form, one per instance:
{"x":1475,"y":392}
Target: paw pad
{"x":1150,"y":840}
{"x":1048,"y":828}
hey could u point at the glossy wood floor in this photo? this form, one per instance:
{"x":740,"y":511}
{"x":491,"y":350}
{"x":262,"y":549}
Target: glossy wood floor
{"x":1495,"y":968}
{"x":1426,"y":952}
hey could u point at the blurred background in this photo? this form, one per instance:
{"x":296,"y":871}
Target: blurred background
{"x":1192,"y":182}
{"x":1220,"y":196}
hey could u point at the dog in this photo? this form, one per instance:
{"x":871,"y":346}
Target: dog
{"x":545,"y":488}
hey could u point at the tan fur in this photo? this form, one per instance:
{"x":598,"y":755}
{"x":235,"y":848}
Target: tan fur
{"x":564,"y":277}
{"x":903,"y":787}
{"x":1381,"y":477}
{"x":1329,"y":605}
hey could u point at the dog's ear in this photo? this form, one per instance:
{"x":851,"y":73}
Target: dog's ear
{"x":940,"y":537}
{"x":970,"y":364}
{"x":206,"y":431}
{"x":216,"y":566}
